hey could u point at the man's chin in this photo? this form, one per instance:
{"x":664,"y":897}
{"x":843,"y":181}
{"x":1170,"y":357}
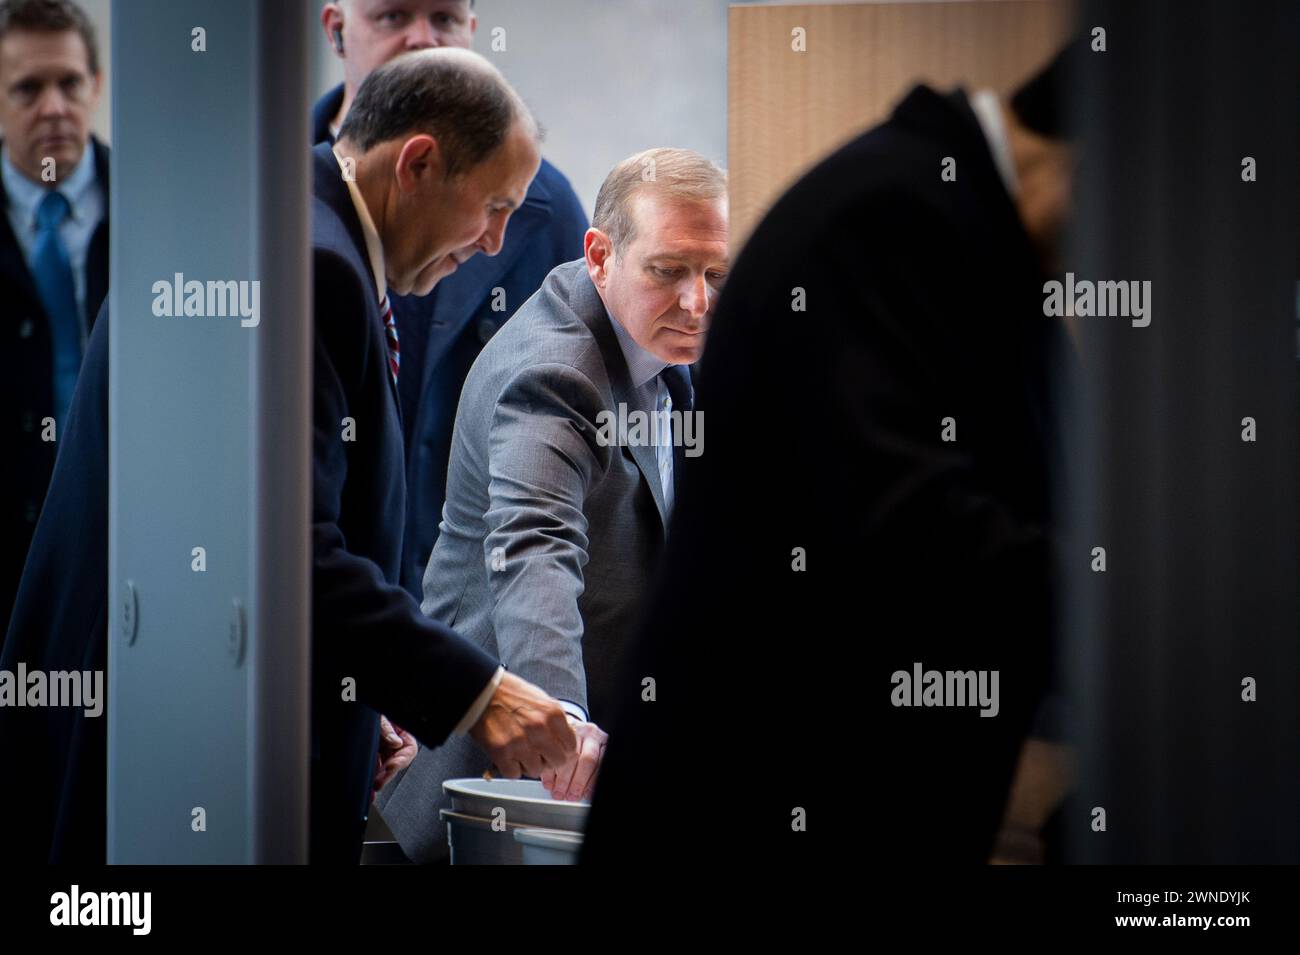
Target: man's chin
{"x":428,"y":278}
{"x":426,"y":283}
{"x":687,"y":355}
{"x":65,"y":156}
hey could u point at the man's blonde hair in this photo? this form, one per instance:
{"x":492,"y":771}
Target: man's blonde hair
{"x":674,"y":173}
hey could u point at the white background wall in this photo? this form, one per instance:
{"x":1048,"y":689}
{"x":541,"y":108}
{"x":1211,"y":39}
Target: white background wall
{"x":98,"y":12}
{"x":607,"y":78}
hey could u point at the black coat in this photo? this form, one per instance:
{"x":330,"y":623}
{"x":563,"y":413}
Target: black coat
{"x":26,"y":384}
{"x":54,"y":758}
{"x":364,"y":625}
{"x":773,"y":686}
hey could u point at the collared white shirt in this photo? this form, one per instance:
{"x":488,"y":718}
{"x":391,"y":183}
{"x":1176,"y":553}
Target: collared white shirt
{"x":374,"y":245}
{"x":85,"y":197}
{"x":988,"y":110}
{"x":375,"y":253}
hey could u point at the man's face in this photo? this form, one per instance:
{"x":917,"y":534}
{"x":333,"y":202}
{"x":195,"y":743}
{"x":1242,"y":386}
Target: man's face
{"x":47,"y":96}
{"x":438,"y":223}
{"x":1045,"y":209}
{"x":1045,"y":171}
{"x":663,"y":286}
{"x":376,"y":31}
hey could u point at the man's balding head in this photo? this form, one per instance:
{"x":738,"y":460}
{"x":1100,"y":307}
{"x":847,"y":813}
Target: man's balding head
{"x":453,"y":95}
{"x":444,"y":150}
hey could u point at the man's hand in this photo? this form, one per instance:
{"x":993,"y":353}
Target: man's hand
{"x":523,"y":730}
{"x":576,"y":779}
{"x":396,"y":750}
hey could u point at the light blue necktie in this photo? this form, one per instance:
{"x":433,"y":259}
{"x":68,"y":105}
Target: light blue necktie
{"x":54,"y":284}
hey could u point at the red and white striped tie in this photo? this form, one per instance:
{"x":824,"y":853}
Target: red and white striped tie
{"x":390,"y":332}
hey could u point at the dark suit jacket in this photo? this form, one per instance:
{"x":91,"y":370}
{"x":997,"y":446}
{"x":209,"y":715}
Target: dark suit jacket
{"x":55,"y":758}
{"x":773,"y":685}
{"x":364,"y":625}
{"x":443,"y":332}
{"x":26,"y":385}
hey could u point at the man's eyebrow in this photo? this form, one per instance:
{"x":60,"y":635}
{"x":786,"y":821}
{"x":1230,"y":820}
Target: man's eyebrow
{"x":681,"y":259}
{"x":38,"y":77}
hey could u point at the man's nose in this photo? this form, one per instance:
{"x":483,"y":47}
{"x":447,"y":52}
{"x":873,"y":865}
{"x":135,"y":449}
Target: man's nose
{"x":52,"y":102}
{"x":421,"y":35}
{"x":493,"y":237}
{"x":695,"y":300}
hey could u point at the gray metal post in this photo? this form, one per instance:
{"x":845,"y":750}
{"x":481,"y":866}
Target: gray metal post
{"x":209,"y":487}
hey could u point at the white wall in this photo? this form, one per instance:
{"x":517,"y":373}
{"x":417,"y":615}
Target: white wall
{"x":605,"y":77}
{"x":608,"y":78}
{"x":98,"y":12}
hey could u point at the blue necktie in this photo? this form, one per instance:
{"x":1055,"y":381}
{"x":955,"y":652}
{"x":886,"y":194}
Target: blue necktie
{"x":52,"y":273}
{"x":677,"y":378}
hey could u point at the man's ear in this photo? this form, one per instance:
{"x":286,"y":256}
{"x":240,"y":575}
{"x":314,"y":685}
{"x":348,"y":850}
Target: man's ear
{"x":419,"y":162}
{"x":599,"y":253}
{"x":331,"y":19}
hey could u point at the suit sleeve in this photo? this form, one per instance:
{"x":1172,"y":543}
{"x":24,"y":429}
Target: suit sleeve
{"x":543,"y":456}
{"x":416,"y":671}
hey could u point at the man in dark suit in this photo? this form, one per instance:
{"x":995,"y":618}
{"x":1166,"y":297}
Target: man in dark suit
{"x":442,"y":151}
{"x":53,"y":248}
{"x":874,"y":496}
{"x":420,"y":197}
{"x":443,"y":332}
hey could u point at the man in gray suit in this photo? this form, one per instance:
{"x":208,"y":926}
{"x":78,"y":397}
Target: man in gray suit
{"x":574,"y":425}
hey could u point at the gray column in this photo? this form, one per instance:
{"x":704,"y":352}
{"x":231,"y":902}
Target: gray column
{"x":210,"y":431}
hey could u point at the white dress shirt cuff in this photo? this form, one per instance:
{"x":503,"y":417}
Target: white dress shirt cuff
{"x":480,"y":704}
{"x":574,"y":710}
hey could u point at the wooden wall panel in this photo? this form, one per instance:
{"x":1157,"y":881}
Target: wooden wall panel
{"x":786,"y":109}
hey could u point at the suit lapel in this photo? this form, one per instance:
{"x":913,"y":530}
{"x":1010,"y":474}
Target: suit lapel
{"x":331,"y":190}
{"x":643,"y":454}
{"x":97,"y":253}
{"x":12,"y":264}
{"x":588,"y":306}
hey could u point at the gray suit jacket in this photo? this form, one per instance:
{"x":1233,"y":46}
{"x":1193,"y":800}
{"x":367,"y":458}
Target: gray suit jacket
{"x":549,"y":536}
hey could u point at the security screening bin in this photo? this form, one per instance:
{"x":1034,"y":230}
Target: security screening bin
{"x":511,"y":822}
